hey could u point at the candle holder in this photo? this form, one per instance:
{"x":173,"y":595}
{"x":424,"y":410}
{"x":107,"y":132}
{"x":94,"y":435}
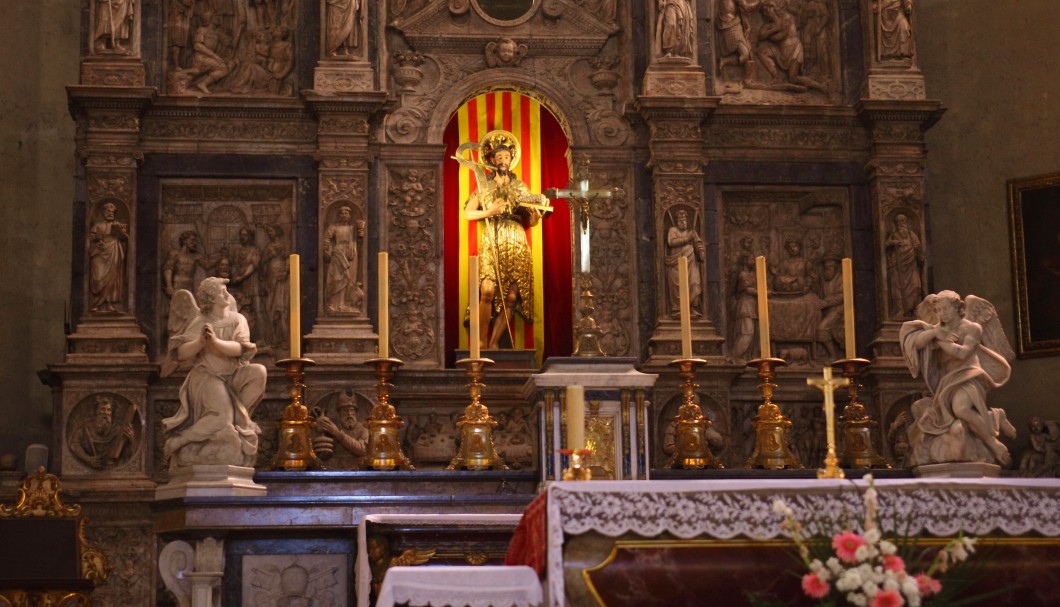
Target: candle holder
{"x":587,"y":334}
{"x":579,"y":469}
{"x":690,"y":425}
{"x":476,"y":425}
{"x":295,"y":447}
{"x":858,"y":450}
{"x":383,"y":423}
{"x":771,"y":426}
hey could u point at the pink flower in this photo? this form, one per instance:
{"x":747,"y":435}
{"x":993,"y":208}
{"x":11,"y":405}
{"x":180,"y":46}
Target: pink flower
{"x":846,"y":545}
{"x":887,"y":598}
{"x":814,"y":586}
{"x":927,"y":585}
{"x":893,"y":562}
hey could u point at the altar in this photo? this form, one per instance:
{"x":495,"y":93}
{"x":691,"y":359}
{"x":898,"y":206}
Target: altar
{"x":679,"y":542}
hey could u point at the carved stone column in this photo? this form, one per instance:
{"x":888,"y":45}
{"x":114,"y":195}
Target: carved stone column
{"x":343,"y":332}
{"x":677,"y":162}
{"x":896,"y":113}
{"x":413,"y":219}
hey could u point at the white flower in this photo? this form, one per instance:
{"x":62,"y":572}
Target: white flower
{"x":913,"y":600}
{"x":849,"y":580}
{"x":868,"y":478}
{"x":887,"y":547}
{"x":958,"y":552}
{"x":858,"y":599}
{"x":782,"y":509}
{"x":910,"y":588}
{"x":863,"y":553}
{"x":870,"y":588}
{"x":833,"y":565}
{"x":969,"y":543}
{"x":872,"y":536}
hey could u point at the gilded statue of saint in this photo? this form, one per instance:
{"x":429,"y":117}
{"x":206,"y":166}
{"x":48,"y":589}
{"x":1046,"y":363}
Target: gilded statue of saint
{"x":504,"y":207}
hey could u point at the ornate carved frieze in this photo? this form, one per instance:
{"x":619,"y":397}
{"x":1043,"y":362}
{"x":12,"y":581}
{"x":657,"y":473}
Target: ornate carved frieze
{"x":414,"y":262}
{"x":229,"y":129}
{"x":612,"y":236}
{"x":895,"y":87}
{"x":111,"y":186}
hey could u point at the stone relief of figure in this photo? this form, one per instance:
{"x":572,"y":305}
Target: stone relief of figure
{"x":274,"y":269}
{"x":342,"y":27}
{"x":961,"y":351}
{"x":506,"y":276}
{"x":108,"y":241}
{"x":895,"y":29}
{"x":253,"y":75}
{"x":351,"y":436}
{"x":99,"y":441}
{"x":675,"y":29}
{"x":178,"y":30}
{"x":794,"y":274}
{"x":213,"y":424}
{"x":905,"y":261}
{"x":514,"y":438}
{"x":744,"y":298}
{"x":434,"y":440}
{"x":1043,"y":457}
{"x":830,"y":328}
{"x":682,"y":240}
{"x":505,"y":52}
{"x":780,"y":52}
{"x":817,"y":41}
{"x":207,"y":65}
{"x":733,"y":29}
{"x":246,"y":268}
{"x":794,"y":306}
{"x":114,"y":25}
{"x":281,"y":62}
{"x":343,"y":290}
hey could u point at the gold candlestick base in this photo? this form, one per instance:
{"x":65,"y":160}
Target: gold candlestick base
{"x":383,"y":423}
{"x":857,"y":450}
{"x":476,"y":425}
{"x":579,"y":469}
{"x":690,"y":431}
{"x":587,"y":334}
{"x":831,"y":466}
{"x":771,"y":426}
{"x":295,"y":447}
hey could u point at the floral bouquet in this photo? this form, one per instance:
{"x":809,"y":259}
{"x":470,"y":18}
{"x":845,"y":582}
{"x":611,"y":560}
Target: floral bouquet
{"x":866,"y":570}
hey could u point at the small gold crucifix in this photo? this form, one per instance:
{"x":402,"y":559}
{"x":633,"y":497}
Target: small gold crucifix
{"x":828,"y":386}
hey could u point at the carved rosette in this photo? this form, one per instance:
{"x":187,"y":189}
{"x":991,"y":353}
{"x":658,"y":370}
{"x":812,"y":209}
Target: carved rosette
{"x":414,"y":262}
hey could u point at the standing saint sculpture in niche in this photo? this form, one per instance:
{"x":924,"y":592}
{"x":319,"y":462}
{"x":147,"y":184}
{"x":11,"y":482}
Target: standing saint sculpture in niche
{"x":896,"y":32}
{"x":682,"y":240}
{"x":961,"y":351}
{"x":343,"y":291}
{"x":213,"y":424}
{"x":275,"y":272}
{"x":108,"y":240}
{"x":114,"y":25}
{"x":905,"y":259}
{"x":506,"y":276}
{"x":342,"y":27}
{"x":675,"y":29}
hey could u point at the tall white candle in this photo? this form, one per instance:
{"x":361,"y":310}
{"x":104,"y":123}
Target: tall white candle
{"x":295,"y":301}
{"x":575,"y":417}
{"x":763,"y":306}
{"x":384,"y":305}
{"x":686,"y":313}
{"x":474,"y":329}
{"x":848,"y":307}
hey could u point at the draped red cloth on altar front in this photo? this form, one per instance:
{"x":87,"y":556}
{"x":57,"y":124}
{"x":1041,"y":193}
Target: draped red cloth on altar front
{"x":529,"y":545}
{"x":543,"y":164}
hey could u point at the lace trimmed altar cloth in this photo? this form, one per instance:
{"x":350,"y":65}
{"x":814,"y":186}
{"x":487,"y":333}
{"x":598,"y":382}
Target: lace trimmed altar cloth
{"x":461,"y":586}
{"x":729,"y":509}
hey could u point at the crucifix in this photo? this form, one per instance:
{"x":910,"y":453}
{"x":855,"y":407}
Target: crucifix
{"x":828,"y":386}
{"x":579,"y":196}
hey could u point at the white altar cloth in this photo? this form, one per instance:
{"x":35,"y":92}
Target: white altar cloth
{"x":363,"y":568}
{"x":725,"y":509}
{"x":497,"y":586}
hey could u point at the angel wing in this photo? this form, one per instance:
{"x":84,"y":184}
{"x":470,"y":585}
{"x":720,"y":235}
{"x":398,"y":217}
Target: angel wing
{"x":412,"y":556}
{"x":182,"y":309}
{"x":983,"y":312}
{"x":925,"y":311}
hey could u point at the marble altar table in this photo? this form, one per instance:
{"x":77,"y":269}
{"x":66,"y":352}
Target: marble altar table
{"x":461,"y":587}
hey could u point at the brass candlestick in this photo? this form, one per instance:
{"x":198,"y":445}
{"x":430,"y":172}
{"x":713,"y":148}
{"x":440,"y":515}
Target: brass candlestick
{"x":858,"y":450}
{"x":579,"y":469}
{"x":771,"y":426}
{"x":383,"y":423}
{"x":690,"y":426}
{"x":295,"y":448}
{"x":476,"y":425}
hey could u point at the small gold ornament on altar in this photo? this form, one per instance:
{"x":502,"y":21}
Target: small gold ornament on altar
{"x":828,"y":385}
{"x":579,"y":469}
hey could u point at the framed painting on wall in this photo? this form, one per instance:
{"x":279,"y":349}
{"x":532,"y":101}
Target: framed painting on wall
{"x":1034,"y":216}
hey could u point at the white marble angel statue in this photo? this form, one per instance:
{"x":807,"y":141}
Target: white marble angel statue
{"x":960,"y":349}
{"x":213,"y":425}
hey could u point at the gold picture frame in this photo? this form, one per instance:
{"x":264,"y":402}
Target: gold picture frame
{"x":1034,"y":218}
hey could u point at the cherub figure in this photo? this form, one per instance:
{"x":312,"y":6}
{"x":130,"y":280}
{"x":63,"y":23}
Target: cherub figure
{"x":213,"y":424}
{"x":961,"y":350}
